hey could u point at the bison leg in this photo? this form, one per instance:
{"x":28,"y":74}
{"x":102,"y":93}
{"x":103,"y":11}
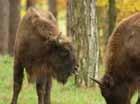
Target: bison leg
{"x":47,"y":99}
{"x":138,"y":101}
{"x":18,"y":79}
{"x":40,"y":88}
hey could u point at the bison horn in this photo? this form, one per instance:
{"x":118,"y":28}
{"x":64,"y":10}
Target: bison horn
{"x":60,"y":33}
{"x":59,"y":37}
{"x":98,"y":82}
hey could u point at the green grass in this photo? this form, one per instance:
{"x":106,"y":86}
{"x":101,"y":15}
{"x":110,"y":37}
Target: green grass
{"x":67,"y":94}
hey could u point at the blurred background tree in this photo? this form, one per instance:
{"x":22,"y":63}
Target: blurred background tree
{"x":30,"y":3}
{"x":53,"y":7}
{"x":111,"y":16}
{"x":14,"y":17}
{"x":4,"y":26}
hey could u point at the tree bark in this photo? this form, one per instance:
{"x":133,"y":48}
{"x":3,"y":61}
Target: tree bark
{"x":4,"y":26}
{"x":111,"y":16}
{"x":53,"y":7}
{"x":82,"y":26}
{"x":13,"y":23}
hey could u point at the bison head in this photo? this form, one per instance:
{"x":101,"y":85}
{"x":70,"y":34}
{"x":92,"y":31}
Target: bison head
{"x":62,"y":58}
{"x":114,"y":93}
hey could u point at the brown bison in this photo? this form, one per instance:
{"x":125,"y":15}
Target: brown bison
{"x":122,"y":61}
{"x":43,"y":53}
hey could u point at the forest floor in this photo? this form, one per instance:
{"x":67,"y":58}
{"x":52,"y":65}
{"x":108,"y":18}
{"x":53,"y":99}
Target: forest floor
{"x":61,"y":94}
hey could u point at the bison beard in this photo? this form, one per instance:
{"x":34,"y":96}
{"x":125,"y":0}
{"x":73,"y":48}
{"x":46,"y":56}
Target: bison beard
{"x":122,"y":60}
{"x":43,"y":52}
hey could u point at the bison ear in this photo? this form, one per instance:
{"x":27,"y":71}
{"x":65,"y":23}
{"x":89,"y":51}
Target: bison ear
{"x":34,"y":20}
{"x":51,"y":17}
{"x":33,"y":15}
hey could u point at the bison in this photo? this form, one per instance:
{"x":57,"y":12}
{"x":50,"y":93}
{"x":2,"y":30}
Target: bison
{"x":122,"y":62}
{"x":43,"y":52}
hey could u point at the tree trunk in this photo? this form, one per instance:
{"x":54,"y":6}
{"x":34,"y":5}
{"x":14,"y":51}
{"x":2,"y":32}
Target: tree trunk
{"x":53,"y":7}
{"x":4,"y":26}
{"x":111,"y":16}
{"x":82,"y":26}
{"x":30,"y":3}
{"x":13,"y":24}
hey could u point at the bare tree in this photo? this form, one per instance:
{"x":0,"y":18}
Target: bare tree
{"x":111,"y":16}
{"x":53,"y":7}
{"x":82,"y":26}
{"x":4,"y":25}
{"x":13,"y":23}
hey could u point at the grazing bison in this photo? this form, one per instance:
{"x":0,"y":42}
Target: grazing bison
{"x":122,"y":61}
{"x":43,"y":53}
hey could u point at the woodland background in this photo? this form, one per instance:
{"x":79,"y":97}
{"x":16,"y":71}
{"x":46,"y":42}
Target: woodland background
{"x":88,"y":22}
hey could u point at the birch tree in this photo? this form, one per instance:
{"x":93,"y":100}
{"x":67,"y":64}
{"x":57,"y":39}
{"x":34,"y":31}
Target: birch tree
{"x":82,"y":26}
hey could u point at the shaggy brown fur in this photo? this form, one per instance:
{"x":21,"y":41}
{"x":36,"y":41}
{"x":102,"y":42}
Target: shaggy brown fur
{"x":43,"y":52}
{"x":122,"y":60}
